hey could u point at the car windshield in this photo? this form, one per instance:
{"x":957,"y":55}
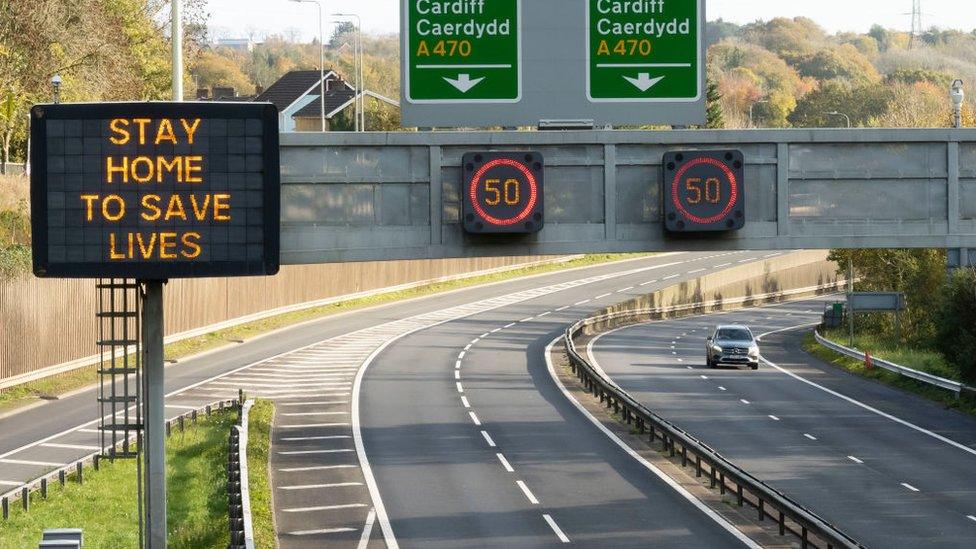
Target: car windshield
{"x":733,"y":334}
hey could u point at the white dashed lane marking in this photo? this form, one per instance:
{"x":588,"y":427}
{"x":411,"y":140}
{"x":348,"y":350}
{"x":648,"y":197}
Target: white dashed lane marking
{"x":488,"y":438}
{"x":556,"y":529}
{"x":809,"y":436}
{"x":854,"y":459}
{"x":910,"y":487}
{"x":505,"y":463}
{"x":528,"y":493}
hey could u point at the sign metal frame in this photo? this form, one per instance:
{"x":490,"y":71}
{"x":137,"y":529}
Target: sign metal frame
{"x":155,"y":269}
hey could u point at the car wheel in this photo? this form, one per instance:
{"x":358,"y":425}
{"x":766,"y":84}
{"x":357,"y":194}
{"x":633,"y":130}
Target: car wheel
{"x":754,"y":366}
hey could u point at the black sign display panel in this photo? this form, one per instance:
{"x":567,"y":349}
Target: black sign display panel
{"x":502,"y":192}
{"x":704,"y":191}
{"x":155,"y":190}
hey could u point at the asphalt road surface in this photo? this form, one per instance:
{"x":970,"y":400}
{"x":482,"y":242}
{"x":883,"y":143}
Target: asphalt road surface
{"x":447,"y":482}
{"x":889,"y":468}
{"x":471,"y":444}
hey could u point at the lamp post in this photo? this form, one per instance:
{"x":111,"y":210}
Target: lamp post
{"x":958,"y":95}
{"x":836,"y":113}
{"x":176,"y":21}
{"x":321,"y":60}
{"x":360,"y":84}
{"x":56,"y":84}
{"x":751,"y":107}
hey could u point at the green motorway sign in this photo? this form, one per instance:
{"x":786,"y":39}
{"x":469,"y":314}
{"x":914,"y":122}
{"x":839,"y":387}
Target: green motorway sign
{"x":462,"y":51}
{"x":643,"y":50}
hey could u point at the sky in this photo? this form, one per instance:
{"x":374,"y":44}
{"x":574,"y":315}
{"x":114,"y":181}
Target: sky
{"x":258,"y":18}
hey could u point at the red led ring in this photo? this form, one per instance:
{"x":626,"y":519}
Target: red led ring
{"x":533,"y":192}
{"x":728,"y":174}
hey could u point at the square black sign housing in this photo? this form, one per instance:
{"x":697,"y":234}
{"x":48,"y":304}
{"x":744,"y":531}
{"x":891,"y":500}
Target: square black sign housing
{"x":704,"y":191}
{"x":155,"y":190}
{"x":502,"y":192}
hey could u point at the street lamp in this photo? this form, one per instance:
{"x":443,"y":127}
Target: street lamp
{"x":56,"y":84}
{"x":321,"y":59}
{"x":836,"y":113}
{"x":360,"y":84}
{"x":751,"y":107}
{"x":176,"y":22}
{"x":958,"y":96}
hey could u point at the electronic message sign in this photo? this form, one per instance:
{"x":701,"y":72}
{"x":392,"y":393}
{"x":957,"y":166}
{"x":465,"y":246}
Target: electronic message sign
{"x":645,"y":50}
{"x":462,"y":51}
{"x":703,"y":191}
{"x":155,"y":190}
{"x":502,"y":192}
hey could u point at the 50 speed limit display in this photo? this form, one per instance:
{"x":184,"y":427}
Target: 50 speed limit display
{"x":502,"y":192}
{"x":703,"y":191}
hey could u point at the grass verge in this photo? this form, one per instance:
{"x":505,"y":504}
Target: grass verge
{"x":258,"y":450}
{"x":857,"y":367}
{"x":28,"y":393}
{"x":105,"y":506}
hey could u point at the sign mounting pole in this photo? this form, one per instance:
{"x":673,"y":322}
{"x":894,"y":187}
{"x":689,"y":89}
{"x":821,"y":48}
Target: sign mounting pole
{"x":155,"y":440}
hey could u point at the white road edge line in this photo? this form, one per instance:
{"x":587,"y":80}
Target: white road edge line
{"x":555,"y":528}
{"x":528,"y":493}
{"x":630,"y":451}
{"x":872,"y":409}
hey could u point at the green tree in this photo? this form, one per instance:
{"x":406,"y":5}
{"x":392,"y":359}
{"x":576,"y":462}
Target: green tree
{"x":213,"y":69}
{"x":957,"y":322}
{"x":714,"y":116}
{"x":862,"y":104}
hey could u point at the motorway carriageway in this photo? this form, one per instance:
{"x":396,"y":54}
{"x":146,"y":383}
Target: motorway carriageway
{"x":485,"y":454}
{"x":887,"y":467}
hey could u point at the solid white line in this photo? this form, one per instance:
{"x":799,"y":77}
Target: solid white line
{"x":774,"y":418}
{"x":313,"y":403}
{"x":488,"y":438}
{"x":809,"y":436}
{"x":308,"y":425}
{"x":460,"y":388}
{"x":315,"y":468}
{"x":898,"y":420}
{"x":854,"y":459}
{"x":28,"y":462}
{"x":302,"y":414}
{"x":632,"y":453}
{"x":464,"y":400}
{"x":505,"y":463}
{"x":89,"y":431}
{"x":314,"y":486}
{"x":311,"y":452}
{"x":10,"y":483}
{"x":555,"y":528}
{"x":180,"y":407}
{"x":322,"y":531}
{"x":329,"y":437}
{"x":70,"y":446}
{"x":528,"y":493}
{"x":323,"y":508}
{"x":367,"y":529}
{"x":474,"y":418}
{"x":909,"y":486}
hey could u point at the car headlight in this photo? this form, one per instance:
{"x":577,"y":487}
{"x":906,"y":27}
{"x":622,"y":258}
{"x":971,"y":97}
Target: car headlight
{"x":754,"y":351}
{"x":717,"y":349}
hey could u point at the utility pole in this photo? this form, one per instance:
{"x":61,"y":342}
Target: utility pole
{"x":916,"y":24}
{"x":360,"y":99}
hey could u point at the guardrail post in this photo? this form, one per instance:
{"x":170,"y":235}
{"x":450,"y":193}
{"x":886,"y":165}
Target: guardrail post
{"x":169,"y":428}
{"x":762,"y":510}
{"x":182,"y":423}
{"x":711,"y":475}
{"x":61,"y":477}
{"x":739,"y":486}
{"x":671,"y":446}
{"x":78,"y":468}
{"x":698,"y":470}
{"x":721,"y":485}
{"x":782,"y":524}
{"x":96,"y":461}
{"x":684,"y":456}
{"x":25,"y":498}
{"x":44,"y":488}
{"x":803,"y":538}
{"x":5,"y":503}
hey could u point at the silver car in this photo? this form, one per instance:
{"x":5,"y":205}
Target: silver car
{"x":732,"y":345}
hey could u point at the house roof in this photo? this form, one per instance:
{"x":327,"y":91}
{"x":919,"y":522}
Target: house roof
{"x":333,"y":105}
{"x":290,"y":87}
{"x":333,"y":100}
